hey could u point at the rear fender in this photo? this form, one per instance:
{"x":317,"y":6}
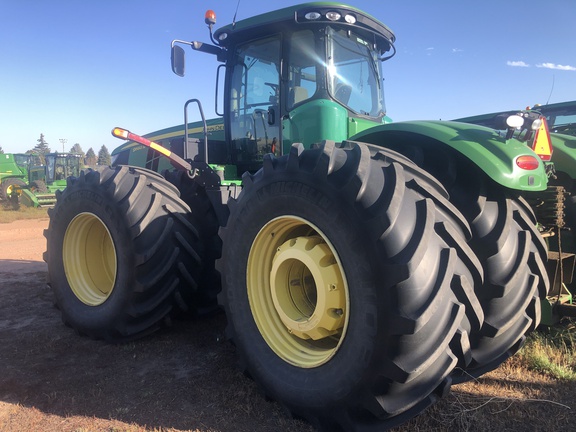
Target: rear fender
{"x":483,"y":146}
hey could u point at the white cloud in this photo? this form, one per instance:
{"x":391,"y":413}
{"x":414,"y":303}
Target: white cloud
{"x":517,"y":64}
{"x":456,"y":50}
{"x":555,"y":66}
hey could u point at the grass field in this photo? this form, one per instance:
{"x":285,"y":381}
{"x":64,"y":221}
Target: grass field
{"x":7,"y":214}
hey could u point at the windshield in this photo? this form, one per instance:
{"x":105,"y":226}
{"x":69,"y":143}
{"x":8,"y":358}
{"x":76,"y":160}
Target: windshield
{"x":562,"y":122}
{"x":354,"y":73}
{"x":22,"y":160}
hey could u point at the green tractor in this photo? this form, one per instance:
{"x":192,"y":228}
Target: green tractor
{"x":363,"y":265}
{"x":26,"y":179}
{"x":13,"y":175}
{"x":44,"y":180}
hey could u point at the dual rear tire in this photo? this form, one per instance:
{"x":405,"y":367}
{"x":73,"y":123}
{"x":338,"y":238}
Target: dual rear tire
{"x":121,"y":247}
{"x":347,"y":285}
{"x":505,"y":240}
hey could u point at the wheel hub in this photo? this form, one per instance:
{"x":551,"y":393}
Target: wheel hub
{"x":307,"y":288}
{"x":297,"y":291}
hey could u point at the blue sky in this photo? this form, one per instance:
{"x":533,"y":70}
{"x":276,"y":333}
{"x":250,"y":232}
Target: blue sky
{"x":75,"y":69}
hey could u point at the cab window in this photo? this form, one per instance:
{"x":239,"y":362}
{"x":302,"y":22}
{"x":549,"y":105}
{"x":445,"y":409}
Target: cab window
{"x":255,"y":100}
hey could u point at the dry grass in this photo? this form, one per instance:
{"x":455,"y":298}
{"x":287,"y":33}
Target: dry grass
{"x":512,"y":398}
{"x":552,"y":352}
{"x":7,"y":214}
{"x":534,"y":390}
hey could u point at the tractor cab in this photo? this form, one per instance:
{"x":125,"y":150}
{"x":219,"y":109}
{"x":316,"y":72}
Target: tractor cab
{"x":57,"y":166}
{"x":62,"y":165}
{"x":300,"y":74}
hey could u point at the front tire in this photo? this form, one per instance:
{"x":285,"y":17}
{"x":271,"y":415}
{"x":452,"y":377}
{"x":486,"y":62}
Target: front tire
{"x":118,"y":244}
{"x":38,"y":186}
{"x":337,"y":282}
{"x":9,"y":185}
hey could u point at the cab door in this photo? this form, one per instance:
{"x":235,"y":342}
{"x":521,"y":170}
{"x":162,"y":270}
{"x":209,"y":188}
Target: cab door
{"x":254,"y":95}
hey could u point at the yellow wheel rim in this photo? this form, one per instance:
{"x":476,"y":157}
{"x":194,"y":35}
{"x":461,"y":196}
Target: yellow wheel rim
{"x":13,"y":189}
{"x":297,"y":291}
{"x":89,"y":259}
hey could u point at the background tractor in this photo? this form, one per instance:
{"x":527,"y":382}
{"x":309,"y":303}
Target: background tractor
{"x":24,"y":179}
{"x":13,"y":174}
{"x":45,"y":179}
{"x":363,"y":265}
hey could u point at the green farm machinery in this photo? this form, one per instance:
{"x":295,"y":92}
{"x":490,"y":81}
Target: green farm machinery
{"x":555,"y":207}
{"x":44,"y":180}
{"x":13,"y":175}
{"x":363,"y":266}
{"x":26,"y":180}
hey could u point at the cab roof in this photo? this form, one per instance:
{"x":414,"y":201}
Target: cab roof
{"x":293,"y":16}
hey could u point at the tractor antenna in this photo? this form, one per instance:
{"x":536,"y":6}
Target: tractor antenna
{"x":551,"y":90}
{"x":235,"y":13}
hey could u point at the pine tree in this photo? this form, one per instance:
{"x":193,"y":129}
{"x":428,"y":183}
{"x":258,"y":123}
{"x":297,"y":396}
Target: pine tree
{"x":40,"y":149}
{"x":104,"y":156}
{"x":77,"y":149}
{"x":1,"y":150}
{"x":90,"y":159}
{"x":42,"y":146}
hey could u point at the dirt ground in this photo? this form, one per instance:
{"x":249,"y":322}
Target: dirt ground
{"x":186,"y":379}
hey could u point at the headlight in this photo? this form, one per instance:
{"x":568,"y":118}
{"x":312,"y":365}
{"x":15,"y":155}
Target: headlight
{"x":333,"y":16}
{"x":536,"y":124}
{"x":312,"y":15}
{"x":350,"y":19}
{"x":515,"y":121}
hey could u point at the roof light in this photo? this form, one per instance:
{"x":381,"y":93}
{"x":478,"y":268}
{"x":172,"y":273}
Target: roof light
{"x":210,"y":17}
{"x":350,"y":19}
{"x":222,"y":36}
{"x":333,"y":16}
{"x":527,"y":162}
{"x":312,"y":15}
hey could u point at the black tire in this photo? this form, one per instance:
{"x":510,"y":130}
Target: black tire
{"x":7,"y":185}
{"x":510,"y":248}
{"x":204,"y":218}
{"x":38,"y":186}
{"x":144,"y":251}
{"x":514,"y":254}
{"x":376,"y":232}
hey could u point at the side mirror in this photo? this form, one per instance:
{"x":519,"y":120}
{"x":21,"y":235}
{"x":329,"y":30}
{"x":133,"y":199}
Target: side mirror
{"x":178,"y":60}
{"x":271,"y":116}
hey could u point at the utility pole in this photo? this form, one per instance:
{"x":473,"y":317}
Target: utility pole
{"x":63,"y":141}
